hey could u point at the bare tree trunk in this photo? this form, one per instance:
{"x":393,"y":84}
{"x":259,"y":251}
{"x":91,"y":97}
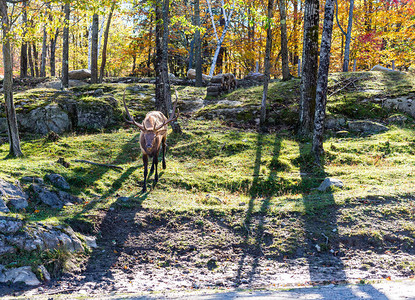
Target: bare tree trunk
{"x":35,"y":59}
{"x":323,"y":73}
{"x":165,"y":72}
{"x":43,"y":55}
{"x":12,"y":129}
{"x":348,"y":38}
{"x":150,"y":48}
{"x":94,"y":49}
{"x":52,"y":53}
{"x":104,"y":48}
{"x":309,"y":69}
{"x":23,"y":52}
{"x":159,"y":54}
{"x":65,"y":47}
{"x":268,"y":46}
{"x":284,"y":42}
{"x":29,"y":55}
{"x":198,"y":46}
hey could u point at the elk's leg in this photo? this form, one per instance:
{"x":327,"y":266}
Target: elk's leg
{"x":145,"y":163}
{"x":155,"y":163}
{"x":164,"y":151}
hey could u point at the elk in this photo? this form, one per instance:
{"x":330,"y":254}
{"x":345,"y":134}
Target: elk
{"x":153,"y":135}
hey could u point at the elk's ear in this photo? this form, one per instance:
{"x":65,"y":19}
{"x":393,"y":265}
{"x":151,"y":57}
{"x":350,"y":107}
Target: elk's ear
{"x":161,"y":132}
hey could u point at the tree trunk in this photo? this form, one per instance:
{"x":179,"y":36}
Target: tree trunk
{"x":309,"y":69}
{"x":94,"y":49}
{"x":104,"y":48}
{"x":35,"y":59}
{"x":65,"y":47}
{"x":52,"y":53}
{"x":323,"y":73}
{"x":29,"y":56}
{"x":43,"y":55}
{"x":284,"y":42}
{"x":295,"y":33}
{"x":23,"y":51}
{"x":198,"y":53}
{"x":165,"y":72}
{"x":268,"y":46}
{"x":159,"y":54}
{"x":12,"y":129}
{"x":348,"y":38}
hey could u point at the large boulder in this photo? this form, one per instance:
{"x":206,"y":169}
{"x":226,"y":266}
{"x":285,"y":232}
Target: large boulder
{"x":405,"y":104}
{"x":366,"y":126}
{"x":16,"y":275}
{"x":191,"y":74}
{"x":41,"y":120}
{"x":382,"y":69}
{"x":80,"y":74}
{"x":97,"y":116}
{"x":58,"y":181}
{"x":13,"y":195}
{"x":57,"y":84}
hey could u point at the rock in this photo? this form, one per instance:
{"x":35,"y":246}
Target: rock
{"x":31,"y":179}
{"x":382,"y":69}
{"x":22,"y":274}
{"x":366,"y":126}
{"x":98,"y":92}
{"x":42,"y":120}
{"x":123,"y":199}
{"x":3,"y":206}
{"x":329,"y":182}
{"x":5,"y":248}
{"x":57,"y":84}
{"x":334,"y":123}
{"x":172,"y":76}
{"x":13,"y":194}
{"x":91,"y":241}
{"x":45,"y":276}
{"x":79,"y":74}
{"x":58,"y":181}
{"x":397,"y":119}
{"x":68,"y":198}
{"x":404,"y":104}
{"x":96,"y":116}
{"x":10,"y":225}
{"x":47,"y":197}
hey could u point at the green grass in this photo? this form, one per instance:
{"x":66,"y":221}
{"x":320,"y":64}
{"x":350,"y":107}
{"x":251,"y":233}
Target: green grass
{"x":213,"y":168}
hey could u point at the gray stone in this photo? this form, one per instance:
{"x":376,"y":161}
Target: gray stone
{"x":397,"y":119}
{"x":46,"y":196}
{"x":68,"y":198}
{"x":3,"y":206}
{"x":98,"y":92}
{"x":123,"y":199}
{"x":10,"y":225}
{"x":334,"y":123}
{"x":5,"y":248}
{"x":57,"y":84}
{"x":12,"y":194}
{"x":58,"y":181}
{"x":329,"y":182}
{"x":22,"y":274}
{"x":366,"y":126}
{"x":41,"y":120}
{"x":91,"y":241}
{"x":95,"y":116}
{"x":44,"y":273}
{"x":382,"y":69}
{"x":32,"y":179}
{"x":79,"y":74}
{"x":405,"y":104}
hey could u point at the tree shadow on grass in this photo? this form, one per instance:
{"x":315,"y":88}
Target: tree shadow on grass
{"x":258,"y":188}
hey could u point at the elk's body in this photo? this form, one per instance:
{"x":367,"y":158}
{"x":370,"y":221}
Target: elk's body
{"x":153,"y":136}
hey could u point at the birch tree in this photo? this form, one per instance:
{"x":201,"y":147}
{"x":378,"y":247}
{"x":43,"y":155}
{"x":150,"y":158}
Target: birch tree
{"x":227,"y":19}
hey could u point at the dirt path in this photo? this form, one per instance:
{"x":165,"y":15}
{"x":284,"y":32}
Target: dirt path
{"x":145,"y":251}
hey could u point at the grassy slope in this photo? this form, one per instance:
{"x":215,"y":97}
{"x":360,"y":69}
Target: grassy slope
{"x":212,"y":167}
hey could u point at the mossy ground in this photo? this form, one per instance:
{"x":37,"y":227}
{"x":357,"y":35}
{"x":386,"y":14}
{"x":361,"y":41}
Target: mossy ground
{"x":237,"y":176}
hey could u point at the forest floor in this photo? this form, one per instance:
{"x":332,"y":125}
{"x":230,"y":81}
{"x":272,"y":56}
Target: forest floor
{"x":234,"y":210}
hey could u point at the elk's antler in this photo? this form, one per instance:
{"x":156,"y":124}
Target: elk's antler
{"x":171,"y":118}
{"x":131,"y":121}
